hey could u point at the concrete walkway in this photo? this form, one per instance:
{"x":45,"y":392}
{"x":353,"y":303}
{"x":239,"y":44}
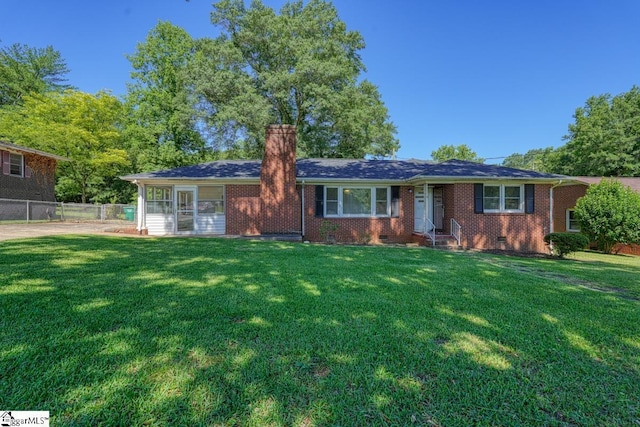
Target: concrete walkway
{"x":26,"y":230}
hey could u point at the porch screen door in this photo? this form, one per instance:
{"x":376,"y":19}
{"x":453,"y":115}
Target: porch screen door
{"x":185,"y":217}
{"x":438,"y":208}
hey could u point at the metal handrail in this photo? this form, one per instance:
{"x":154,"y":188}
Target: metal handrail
{"x":456,"y":230}
{"x":430,"y":230}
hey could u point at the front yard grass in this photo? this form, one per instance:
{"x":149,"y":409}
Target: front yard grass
{"x":119,"y":331}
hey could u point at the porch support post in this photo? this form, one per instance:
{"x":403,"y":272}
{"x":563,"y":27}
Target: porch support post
{"x":142,"y":208}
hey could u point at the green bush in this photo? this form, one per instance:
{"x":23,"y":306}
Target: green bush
{"x":328,"y":231}
{"x":609,"y":214}
{"x":564,"y":243}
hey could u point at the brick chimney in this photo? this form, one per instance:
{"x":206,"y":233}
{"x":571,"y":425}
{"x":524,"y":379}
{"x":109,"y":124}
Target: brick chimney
{"x":279,"y":200}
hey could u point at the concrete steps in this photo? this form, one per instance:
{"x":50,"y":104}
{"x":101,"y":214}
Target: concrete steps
{"x":445,"y":241}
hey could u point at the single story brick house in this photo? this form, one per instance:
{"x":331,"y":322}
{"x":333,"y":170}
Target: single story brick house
{"x":27,"y":174}
{"x":481,"y":206}
{"x":566,"y":196}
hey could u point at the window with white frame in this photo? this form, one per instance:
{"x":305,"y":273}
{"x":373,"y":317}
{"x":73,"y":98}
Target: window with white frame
{"x":159,"y":200}
{"x":211,"y":199}
{"x":331,"y":197}
{"x":382,"y":201}
{"x":572,"y":222}
{"x":16,"y":164}
{"x":357,"y":201}
{"x":503,"y":198}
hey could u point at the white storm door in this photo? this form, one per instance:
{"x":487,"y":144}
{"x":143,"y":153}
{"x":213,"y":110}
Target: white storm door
{"x":185,"y":210}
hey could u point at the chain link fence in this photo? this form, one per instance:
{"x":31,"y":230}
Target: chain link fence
{"x":33,"y":210}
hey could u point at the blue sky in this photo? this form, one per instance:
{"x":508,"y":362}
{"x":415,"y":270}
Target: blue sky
{"x":501,"y":76}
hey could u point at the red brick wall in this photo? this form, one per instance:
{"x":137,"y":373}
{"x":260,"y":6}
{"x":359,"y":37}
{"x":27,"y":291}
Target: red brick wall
{"x":243,"y":209}
{"x":627,"y":249}
{"x":279,"y":198}
{"x":449,"y":201}
{"x":565,"y":198}
{"x":362,"y":230}
{"x":40,"y":185}
{"x":516,"y":232}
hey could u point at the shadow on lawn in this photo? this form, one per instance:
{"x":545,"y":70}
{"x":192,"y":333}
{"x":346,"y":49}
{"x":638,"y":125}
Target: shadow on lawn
{"x":204,"y":331}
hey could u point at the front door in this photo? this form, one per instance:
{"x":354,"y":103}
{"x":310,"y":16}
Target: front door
{"x":419,"y":209}
{"x":185,"y":213}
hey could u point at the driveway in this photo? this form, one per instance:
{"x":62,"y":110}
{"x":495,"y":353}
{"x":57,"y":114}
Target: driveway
{"x":22,"y":231}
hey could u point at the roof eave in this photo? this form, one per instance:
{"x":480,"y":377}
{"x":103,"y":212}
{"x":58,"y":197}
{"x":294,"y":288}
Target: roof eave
{"x":452,"y":179}
{"x":15,"y":147}
{"x":317,"y":180}
{"x":147,"y":179}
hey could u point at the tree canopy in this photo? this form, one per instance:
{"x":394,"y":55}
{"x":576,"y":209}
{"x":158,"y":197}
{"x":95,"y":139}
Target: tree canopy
{"x":82,"y":127}
{"x":459,"y":152}
{"x":161,"y":127}
{"x":605,"y":138}
{"x":539,"y":159}
{"x":27,"y":70}
{"x":299,"y":67}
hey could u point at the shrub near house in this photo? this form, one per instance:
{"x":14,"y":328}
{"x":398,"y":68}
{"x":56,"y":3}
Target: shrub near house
{"x":609,"y":214}
{"x":563,"y":244}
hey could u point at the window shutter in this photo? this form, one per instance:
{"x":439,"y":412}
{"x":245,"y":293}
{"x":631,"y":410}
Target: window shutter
{"x":27,"y":171}
{"x":395,"y":201}
{"x":6,"y":162}
{"x":529,"y":199}
{"x":319,"y":201}
{"x":478,"y":196}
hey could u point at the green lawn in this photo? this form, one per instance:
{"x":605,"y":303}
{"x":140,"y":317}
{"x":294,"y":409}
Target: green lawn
{"x":120,"y":331}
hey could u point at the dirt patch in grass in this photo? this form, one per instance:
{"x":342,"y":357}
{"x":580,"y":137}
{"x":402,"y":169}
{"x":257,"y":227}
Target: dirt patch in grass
{"x":570,"y":280}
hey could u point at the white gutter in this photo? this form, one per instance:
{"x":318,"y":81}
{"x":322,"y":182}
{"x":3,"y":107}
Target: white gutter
{"x":302,"y":211}
{"x":551,"y":205}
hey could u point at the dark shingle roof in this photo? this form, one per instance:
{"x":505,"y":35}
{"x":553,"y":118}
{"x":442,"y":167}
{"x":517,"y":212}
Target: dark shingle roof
{"x":391,"y":170}
{"x":465,"y":169}
{"x":347,"y":169}
{"x":222,"y":169}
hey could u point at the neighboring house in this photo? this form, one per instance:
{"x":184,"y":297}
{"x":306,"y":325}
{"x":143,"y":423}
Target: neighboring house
{"x":27,"y":174}
{"x":566,"y":196}
{"x":484,"y":206}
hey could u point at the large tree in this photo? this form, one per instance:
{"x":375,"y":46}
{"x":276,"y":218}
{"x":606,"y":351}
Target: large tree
{"x":27,"y":70}
{"x":458,"y":152}
{"x":605,"y":138}
{"x":82,"y":127}
{"x":161,"y":129}
{"x":300,"y":67}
